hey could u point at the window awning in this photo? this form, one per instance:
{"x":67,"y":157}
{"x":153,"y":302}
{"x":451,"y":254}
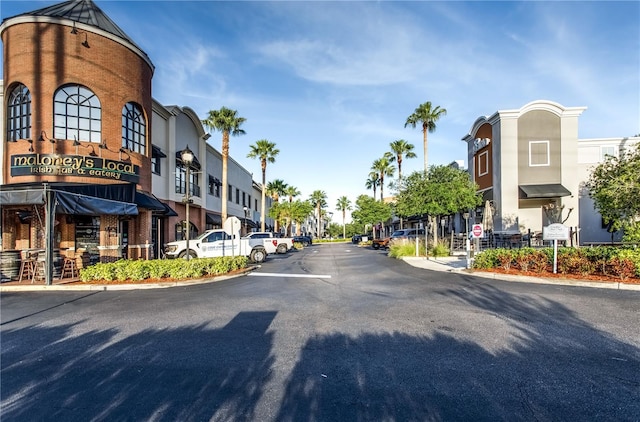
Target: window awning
{"x":77,"y":204}
{"x":168,"y":211}
{"x":543,"y":191}
{"x":194,"y":165}
{"x":248,"y":222}
{"x":213,"y":218}
{"x":148,"y":201}
{"x":156,"y":152}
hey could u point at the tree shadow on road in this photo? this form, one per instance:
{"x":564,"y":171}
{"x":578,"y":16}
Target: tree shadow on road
{"x":185,"y":374}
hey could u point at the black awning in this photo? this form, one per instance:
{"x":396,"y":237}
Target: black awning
{"x":148,"y":201}
{"x":248,"y":222}
{"x":77,"y":204}
{"x":543,"y":191}
{"x":194,"y":165}
{"x":168,"y":211}
{"x":157,"y":152}
{"x":213,"y":218}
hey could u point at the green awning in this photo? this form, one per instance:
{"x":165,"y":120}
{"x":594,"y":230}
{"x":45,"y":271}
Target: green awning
{"x":543,"y":191}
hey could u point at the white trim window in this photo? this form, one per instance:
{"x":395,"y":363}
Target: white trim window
{"x":607,"y":150}
{"x":77,"y":114}
{"x":483,"y":163}
{"x":539,"y":154}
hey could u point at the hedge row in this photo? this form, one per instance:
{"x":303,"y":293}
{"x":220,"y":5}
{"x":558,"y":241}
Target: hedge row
{"x":137,"y":270}
{"x":623,"y":263}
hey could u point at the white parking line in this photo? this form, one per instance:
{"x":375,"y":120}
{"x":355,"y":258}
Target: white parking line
{"x":289,"y":275}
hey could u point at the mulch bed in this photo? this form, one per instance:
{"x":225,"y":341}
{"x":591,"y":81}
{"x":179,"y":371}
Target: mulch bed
{"x":551,"y":275}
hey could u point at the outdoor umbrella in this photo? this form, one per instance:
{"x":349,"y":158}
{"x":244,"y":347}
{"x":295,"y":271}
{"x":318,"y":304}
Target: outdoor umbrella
{"x":487,"y":217}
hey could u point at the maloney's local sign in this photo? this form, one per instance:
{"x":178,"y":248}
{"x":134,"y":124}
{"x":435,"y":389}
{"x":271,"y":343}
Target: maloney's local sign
{"x":73,"y":165}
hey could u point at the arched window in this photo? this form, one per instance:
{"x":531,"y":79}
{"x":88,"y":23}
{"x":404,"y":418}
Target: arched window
{"x":181,"y":234}
{"x":19,"y":114}
{"x":77,"y":114}
{"x":134,"y":128}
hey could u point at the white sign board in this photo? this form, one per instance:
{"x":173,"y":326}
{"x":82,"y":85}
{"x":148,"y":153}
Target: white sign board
{"x":555,"y":231}
{"x":477,"y":231}
{"x":232,"y":225}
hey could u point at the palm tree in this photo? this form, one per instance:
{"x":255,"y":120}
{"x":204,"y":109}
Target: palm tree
{"x":343,"y":205}
{"x":266,"y":151}
{"x":275,"y":189}
{"x":319,"y":200}
{"x":226,"y":121}
{"x":383,"y":167}
{"x":372,"y":182}
{"x":427,"y":115}
{"x":291,"y":192}
{"x":401,"y":149}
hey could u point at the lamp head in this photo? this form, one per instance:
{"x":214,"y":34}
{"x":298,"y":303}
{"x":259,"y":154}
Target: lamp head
{"x":186,"y":156}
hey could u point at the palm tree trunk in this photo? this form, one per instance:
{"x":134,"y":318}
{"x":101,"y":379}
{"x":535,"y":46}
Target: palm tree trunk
{"x":225,"y":184}
{"x":262,"y":206}
{"x":424,"y":144}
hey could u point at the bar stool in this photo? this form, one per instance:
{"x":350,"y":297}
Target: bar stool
{"x":69,"y":268}
{"x":39,"y":268}
{"x":27,"y":266}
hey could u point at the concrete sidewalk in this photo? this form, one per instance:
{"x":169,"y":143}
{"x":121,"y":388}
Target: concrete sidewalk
{"x":459,"y":264}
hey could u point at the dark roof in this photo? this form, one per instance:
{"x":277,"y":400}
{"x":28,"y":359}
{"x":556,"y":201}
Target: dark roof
{"x":81,"y":11}
{"x":85,"y":12}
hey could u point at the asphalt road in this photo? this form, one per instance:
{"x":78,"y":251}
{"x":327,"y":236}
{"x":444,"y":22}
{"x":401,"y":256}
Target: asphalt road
{"x":331,"y":333}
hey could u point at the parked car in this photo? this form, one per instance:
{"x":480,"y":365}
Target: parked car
{"x":356,"y":238}
{"x":305,"y":240}
{"x":406,"y":234}
{"x":381,"y":243}
{"x":273,"y":242}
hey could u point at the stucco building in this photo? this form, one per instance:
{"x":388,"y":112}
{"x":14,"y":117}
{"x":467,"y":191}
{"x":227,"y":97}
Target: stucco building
{"x":531,"y":157}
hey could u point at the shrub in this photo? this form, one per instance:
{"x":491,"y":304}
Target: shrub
{"x":440,"y":249}
{"x":138,"y":270}
{"x":400,"y":249}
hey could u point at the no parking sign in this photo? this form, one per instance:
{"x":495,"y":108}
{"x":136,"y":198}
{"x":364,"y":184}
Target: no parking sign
{"x":477,"y":231}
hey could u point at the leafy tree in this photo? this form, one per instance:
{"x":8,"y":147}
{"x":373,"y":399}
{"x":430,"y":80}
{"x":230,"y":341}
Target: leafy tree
{"x":427,"y":116}
{"x":614,"y":186}
{"x":384,"y":168}
{"x":370,"y":211}
{"x":299,"y":211}
{"x":372,"y":182}
{"x":226,"y":121}
{"x":319,"y":201}
{"x":401,"y":149}
{"x":443,"y":190}
{"x":265,"y":151}
{"x":276,"y":189}
{"x":343,"y":205}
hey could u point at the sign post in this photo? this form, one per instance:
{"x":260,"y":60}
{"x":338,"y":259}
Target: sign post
{"x":555,"y":232}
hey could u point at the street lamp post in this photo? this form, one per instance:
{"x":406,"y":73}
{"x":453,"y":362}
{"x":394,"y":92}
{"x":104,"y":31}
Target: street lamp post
{"x":187,"y":159}
{"x":466,"y":220}
{"x":246,"y":212}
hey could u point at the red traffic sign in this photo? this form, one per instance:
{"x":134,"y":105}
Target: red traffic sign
{"x":477,"y":230}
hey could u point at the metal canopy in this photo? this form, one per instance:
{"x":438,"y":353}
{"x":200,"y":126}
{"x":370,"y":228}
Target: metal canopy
{"x":543,"y":191}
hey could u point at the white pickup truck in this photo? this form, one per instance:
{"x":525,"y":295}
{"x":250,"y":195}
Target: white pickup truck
{"x":214,"y":243}
{"x":271,"y":242}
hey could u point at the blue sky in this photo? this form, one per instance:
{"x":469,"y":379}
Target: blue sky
{"x":332,"y":83}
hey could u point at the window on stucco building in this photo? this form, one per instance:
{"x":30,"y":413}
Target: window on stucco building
{"x":538,"y":153}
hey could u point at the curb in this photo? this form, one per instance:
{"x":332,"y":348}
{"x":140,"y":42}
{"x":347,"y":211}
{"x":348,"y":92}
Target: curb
{"x":123,"y":287}
{"x":445,"y":264}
